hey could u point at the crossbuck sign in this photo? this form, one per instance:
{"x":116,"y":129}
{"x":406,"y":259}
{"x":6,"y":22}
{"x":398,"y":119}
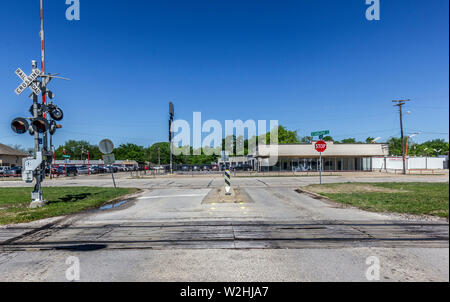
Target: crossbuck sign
{"x":28,"y":81}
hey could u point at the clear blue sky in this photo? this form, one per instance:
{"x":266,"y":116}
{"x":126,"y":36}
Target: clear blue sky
{"x":310,"y":64}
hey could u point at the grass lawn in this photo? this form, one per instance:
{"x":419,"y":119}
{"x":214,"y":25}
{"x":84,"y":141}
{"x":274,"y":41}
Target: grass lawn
{"x":411,"y":198}
{"x":14,"y":202}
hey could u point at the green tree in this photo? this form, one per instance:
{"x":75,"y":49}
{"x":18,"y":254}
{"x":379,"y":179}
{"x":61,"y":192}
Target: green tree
{"x":75,"y":148}
{"x":130,"y":152}
{"x":328,"y":139}
{"x":158,"y":152}
{"x":433,"y":148}
{"x":285,"y":136}
{"x":348,"y":141}
{"x":306,"y":139}
{"x":395,"y":146}
{"x":369,"y":140}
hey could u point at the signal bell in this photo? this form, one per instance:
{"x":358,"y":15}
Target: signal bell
{"x":20,"y":125}
{"x":56,"y":113}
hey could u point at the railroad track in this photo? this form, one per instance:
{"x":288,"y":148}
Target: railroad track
{"x":234,"y":235}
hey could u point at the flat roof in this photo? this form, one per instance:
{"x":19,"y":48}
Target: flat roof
{"x":333,"y":150}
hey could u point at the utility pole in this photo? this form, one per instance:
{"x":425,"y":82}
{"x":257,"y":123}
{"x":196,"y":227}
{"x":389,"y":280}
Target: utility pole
{"x":171,"y":114}
{"x":400,"y":104}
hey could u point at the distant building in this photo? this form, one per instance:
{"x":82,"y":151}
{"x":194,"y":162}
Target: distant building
{"x":85,"y":162}
{"x":234,"y":161}
{"x":304,"y":157}
{"x":11,"y":157}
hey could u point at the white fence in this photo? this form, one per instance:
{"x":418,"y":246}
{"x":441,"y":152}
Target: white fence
{"x":412,"y":163}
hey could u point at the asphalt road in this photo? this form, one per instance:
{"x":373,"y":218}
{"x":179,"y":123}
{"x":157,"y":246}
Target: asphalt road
{"x":167,"y":233}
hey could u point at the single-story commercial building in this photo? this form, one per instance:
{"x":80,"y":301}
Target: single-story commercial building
{"x":120,"y":163}
{"x":304,"y":157}
{"x":234,"y":161}
{"x":11,"y":157}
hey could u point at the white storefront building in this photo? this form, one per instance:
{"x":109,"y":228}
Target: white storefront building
{"x":304,"y":157}
{"x":337,"y":157}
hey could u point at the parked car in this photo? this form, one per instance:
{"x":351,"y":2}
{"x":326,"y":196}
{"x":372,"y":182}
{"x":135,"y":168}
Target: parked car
{"x":243,"y":167}
{"x":206,"y":167}
{"x":70,"y":170}
{"x":56,"y":170}
{"x":83,"y":170}
{"x":11,"y":173}
{"x":196,"y":168}
{"x":14,"y":171}
{"x":185,"y":168}
{"x":97,"y":170}
{"x":224,"y":166}
{"x":3,"y":169}
{"x":110,"y":169}
{"x":215,"y":167}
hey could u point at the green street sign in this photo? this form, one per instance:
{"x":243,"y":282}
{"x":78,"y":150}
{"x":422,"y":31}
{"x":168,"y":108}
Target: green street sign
{"x":66,"y":156}
{"x":320,"y":133}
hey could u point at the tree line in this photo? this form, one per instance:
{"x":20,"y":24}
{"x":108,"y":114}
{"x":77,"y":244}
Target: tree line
{"x":159,"y":153}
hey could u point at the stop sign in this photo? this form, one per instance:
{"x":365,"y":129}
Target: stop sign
{"x":320,"y":146}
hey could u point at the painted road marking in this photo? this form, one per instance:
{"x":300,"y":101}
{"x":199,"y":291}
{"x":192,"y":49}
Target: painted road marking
{"x":169,"y":196}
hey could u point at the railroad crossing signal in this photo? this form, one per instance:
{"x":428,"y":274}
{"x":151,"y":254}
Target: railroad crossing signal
{"x":28,"y":81}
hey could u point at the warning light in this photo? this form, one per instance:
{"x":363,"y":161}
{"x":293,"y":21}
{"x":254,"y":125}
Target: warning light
{"x":20,"y":125}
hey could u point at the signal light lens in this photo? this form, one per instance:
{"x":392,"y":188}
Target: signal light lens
{"x":20,"y":125}
{"x":52,"y":129}
{"x":40,"y":125}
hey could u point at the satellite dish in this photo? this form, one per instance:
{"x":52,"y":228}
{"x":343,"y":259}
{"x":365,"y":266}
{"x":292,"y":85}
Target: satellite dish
{"x":106,"y":146}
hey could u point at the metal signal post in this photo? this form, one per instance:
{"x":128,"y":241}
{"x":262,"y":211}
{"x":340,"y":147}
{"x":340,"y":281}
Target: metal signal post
{"x":38,"y":123}
{"x":171,"y":114}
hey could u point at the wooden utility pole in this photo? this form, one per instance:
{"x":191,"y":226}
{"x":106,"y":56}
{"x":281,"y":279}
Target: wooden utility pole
{"x":400,"y":104}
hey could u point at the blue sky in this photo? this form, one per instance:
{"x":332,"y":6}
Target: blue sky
{"x":312,"y":65}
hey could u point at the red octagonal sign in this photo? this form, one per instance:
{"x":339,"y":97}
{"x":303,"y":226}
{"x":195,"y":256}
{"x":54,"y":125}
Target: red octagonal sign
{"x":320,"y":146}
